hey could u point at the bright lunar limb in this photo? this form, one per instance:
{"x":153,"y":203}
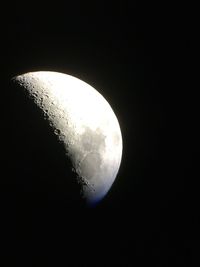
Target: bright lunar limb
{"x":84,"y":123}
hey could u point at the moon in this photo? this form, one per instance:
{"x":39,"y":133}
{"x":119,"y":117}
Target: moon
{"x":84,"y":124}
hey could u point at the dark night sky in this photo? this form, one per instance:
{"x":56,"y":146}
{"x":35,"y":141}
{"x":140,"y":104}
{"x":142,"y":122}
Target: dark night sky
{"x":139,"y":59}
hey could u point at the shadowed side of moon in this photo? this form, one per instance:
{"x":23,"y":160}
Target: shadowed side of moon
{"x":36,"y":161}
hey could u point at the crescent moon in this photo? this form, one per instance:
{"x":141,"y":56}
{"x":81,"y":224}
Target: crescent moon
{"x":84,"y":123}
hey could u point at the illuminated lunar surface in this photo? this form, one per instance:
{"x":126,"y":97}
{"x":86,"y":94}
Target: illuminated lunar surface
{"x":85,"y":125}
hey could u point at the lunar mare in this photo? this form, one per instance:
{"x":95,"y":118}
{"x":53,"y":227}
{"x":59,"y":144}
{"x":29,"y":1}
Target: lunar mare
{"x":84,"y":123}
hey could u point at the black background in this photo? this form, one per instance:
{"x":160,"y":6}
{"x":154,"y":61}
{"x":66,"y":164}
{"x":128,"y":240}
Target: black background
{"x":140,"y":58}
